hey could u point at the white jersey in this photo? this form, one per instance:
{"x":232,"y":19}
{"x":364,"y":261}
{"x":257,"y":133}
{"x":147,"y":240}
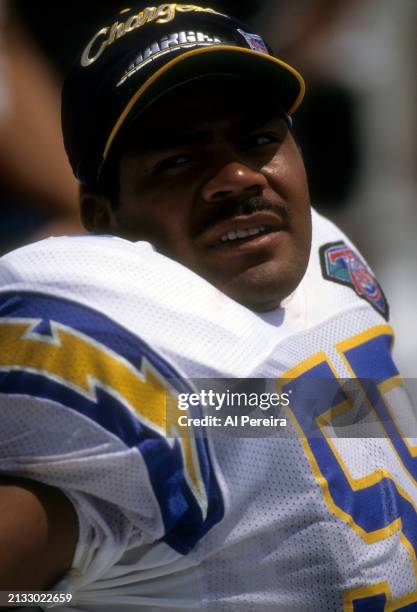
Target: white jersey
{"x":96,"y":334}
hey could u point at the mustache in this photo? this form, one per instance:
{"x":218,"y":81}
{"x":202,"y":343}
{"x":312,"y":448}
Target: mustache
{"x":228,"y":209}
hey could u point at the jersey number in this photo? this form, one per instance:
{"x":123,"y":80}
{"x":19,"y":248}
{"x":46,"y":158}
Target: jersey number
{"x":358,"y":500}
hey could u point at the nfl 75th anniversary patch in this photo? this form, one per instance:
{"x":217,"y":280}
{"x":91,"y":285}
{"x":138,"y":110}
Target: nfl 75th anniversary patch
{"x":341,"y":264}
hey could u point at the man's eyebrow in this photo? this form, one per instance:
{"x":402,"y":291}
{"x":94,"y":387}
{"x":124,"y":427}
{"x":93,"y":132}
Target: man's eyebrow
{"x":163,"y":140}
{"x":262,"y":119}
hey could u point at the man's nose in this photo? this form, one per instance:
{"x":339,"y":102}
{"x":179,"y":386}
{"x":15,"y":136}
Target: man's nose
{"x":232,"y":180}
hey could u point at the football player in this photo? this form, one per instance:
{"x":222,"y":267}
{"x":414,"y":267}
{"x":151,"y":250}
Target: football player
{"x":205,"y":261}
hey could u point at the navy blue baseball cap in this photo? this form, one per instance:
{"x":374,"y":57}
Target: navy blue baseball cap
{"x":128,"y":64}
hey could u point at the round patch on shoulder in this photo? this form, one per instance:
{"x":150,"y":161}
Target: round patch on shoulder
{"x":342,"y":265}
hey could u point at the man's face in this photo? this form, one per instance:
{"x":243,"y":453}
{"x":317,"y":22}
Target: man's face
{"x":211,"y":175}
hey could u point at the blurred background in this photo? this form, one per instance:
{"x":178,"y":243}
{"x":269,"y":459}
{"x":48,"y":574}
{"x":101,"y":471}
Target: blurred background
{"x":357,"y":126}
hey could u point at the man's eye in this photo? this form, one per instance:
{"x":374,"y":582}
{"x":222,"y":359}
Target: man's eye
{"x":175,"y":161}
{"x":261,"y":140}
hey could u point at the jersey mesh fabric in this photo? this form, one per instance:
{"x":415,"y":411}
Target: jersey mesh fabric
{"x":283,"y":534}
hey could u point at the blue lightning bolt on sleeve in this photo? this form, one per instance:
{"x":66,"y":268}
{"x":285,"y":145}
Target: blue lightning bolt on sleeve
{"x":84,"y":401}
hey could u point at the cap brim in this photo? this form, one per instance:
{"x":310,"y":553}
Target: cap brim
{"x":285,"y":84}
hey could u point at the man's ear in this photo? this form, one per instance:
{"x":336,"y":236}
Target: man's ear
{"x":96,"y":211}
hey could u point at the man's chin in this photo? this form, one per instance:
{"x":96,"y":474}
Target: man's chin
{"x":260,"y":289}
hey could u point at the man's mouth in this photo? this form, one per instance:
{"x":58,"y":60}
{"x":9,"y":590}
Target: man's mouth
{"x":242,"y":229}
{"x":240,"y":235}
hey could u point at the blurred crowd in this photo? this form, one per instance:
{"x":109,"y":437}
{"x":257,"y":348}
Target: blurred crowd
{"x":357,"y":126}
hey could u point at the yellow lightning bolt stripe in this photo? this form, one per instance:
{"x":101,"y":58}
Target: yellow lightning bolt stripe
{"x":81,"y":363}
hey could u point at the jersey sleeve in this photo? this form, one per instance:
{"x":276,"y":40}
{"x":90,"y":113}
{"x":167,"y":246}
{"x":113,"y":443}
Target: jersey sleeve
{"x":84,"y":406}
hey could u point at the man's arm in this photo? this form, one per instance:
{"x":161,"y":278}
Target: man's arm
{"x":38,"y":535}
